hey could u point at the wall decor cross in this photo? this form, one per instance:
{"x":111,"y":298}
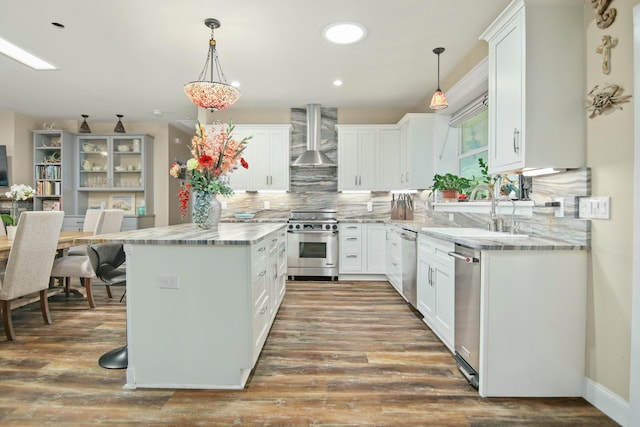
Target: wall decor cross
{"x":605,"y":47}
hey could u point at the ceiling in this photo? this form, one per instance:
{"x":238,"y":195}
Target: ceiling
{"x":132,"y":57}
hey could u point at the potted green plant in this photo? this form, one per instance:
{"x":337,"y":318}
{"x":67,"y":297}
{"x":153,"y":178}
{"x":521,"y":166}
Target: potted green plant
{"x":450,"y":185}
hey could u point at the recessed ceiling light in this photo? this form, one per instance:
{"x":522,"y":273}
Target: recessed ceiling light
{"x":337,"y":82}
{"x":235,"y":83}
{"x":344,"y":32}
{"x":14,"y":52}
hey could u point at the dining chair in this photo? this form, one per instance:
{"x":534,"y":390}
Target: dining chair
{"x":78,"y":265}
{"x":99,"y":221}
{"x":107,"y":260}
{"x":29,"y":263}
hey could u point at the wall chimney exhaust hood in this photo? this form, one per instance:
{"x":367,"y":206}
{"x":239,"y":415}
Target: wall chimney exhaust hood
{"x":313,"y":157}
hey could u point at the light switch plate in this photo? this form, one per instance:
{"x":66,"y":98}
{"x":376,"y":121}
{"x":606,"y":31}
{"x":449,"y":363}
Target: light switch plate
{"x":370,"y":206}
{"x":168,"y":282}
{"x":594,"y":208}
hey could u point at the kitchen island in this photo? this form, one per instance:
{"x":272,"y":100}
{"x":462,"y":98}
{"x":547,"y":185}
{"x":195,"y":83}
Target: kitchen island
{"x":200,"y":303}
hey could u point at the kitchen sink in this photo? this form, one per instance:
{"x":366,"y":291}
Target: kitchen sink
{"x":472,"y":232}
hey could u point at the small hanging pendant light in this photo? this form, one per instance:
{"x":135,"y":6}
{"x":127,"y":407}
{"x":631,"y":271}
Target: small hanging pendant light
{"x":84,"y":127}
{"x":119,"y":126}
{"x":439,"y":100}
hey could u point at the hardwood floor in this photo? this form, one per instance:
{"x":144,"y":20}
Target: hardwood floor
{"x":339,"y":353}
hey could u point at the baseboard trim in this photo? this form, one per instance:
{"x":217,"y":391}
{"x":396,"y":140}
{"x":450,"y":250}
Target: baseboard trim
{"x":605,"y":400}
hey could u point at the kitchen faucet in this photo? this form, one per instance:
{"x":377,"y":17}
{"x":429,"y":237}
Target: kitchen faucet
{"x":514,"y":227}
{"x":495,"y":222}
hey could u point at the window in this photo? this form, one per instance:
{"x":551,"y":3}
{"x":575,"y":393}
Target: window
{"x":474,"y":136}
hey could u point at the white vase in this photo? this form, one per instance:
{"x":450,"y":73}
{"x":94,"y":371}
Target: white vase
{"x":11,"y":232}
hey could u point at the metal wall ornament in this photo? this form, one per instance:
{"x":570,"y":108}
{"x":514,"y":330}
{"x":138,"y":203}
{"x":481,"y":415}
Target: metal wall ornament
{"x":608,"y":43}
{"x":604,"y":15}
{"x":607,"y":98}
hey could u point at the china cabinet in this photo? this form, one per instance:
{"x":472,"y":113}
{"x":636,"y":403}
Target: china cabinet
{"x":115,"y":167}
{"x":537,"y":49}
{"x":53,"y":172}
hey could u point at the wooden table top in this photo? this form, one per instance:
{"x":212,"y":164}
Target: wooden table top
{"x":65,"y":241}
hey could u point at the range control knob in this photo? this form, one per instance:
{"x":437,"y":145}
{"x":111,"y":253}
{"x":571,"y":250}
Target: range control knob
{"x":298,"y":226}
{"x":327,"y":226}
{"x":335,"y":227}
{"x":290,"y":226}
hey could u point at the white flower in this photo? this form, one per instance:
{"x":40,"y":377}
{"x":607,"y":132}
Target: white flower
{"x":20,"y":192}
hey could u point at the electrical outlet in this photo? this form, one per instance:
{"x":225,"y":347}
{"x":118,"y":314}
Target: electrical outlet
{"x":267,"y":205}
{"x":370,"y":206}
{"x":450,"y":217}
{"x":223,"y":204}
{"x":594,"y":207}
{"x":168,"y":282}
{"x":559,"y":211}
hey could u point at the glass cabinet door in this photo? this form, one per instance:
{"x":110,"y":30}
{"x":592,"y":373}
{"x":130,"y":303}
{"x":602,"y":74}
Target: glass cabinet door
{"x":93,"y":162}
{"x":127,"y":163}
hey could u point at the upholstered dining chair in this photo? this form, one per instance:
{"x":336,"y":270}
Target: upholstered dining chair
{"x":107,"y":260}
{"x":99,"y":221}
{"x":68,"y":266}
{"x":29,"y":263}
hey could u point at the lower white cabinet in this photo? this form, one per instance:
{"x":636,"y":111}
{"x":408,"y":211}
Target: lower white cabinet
{"x":393,"y":263}
{"x":436,"y":287}
{"x":362,"y":251}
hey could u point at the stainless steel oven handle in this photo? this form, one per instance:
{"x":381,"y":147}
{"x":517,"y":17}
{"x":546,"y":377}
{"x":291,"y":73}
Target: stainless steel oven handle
{"x":467,"y":259}
{"x":335,"y":232}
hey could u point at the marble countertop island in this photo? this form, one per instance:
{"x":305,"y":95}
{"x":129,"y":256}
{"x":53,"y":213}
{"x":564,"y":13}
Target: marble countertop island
{"x":189,"y":234}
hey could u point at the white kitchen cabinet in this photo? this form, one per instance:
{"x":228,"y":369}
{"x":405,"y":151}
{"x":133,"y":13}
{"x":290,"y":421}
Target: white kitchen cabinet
{"x":362,"y":251}
{"x":129,"y":222}
{"x":357,"y":154}
{"x":393,"y":262}
{"x":390,"y":176}
{"x":533,"y":322}
{"x":416,"y":151}
{"x":436,"y":287}
{"x":268,"y":156}
{"x":536,"y":86}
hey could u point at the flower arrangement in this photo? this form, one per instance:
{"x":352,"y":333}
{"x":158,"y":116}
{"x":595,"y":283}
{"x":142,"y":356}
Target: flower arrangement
{"x":17,"y":192}
{"x":214,"y":155}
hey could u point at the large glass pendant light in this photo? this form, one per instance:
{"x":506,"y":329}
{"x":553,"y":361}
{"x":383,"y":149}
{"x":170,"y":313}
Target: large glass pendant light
{"x":212,"y":95}
{"x":439,"y":100}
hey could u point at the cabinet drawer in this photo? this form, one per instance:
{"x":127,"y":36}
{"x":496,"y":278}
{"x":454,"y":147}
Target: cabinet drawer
{"x":351,"y":229}
{"x":259,"y":283}
{"x":259,"y":251}
{"x":436,"y":249}
{"x":350,"y":262}
{"x":351,"y":244}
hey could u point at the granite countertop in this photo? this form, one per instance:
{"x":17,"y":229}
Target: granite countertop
{"x":189,"y":234}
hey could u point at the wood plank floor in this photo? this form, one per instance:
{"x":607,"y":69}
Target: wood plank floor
{"x":339,"y":353}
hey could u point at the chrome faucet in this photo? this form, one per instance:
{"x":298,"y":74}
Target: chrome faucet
{"x":494,"y":220}
{"x":514,"y":228}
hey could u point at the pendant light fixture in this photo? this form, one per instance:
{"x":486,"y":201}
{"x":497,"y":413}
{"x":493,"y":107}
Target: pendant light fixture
{"x":212,"y":95}
{"x":119,"y":126}
{"x":439,"y":100}
{"x":84,"y":126}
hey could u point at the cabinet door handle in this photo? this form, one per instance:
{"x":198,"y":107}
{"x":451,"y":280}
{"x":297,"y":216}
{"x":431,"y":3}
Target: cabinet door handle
{"x":352,"y":256}
{"x":360,"y":180}
{"x":515,"y":139}
{"x":401,"y":179}
{"x":406,"y":177}
{"x":352,"y":238}
{"x":262,"y":273}
{"x":356,"y":181}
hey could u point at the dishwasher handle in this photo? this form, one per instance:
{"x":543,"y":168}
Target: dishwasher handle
{"x":465,"y":258}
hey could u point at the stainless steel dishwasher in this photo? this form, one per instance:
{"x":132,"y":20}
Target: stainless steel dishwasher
{"x":467,"y":312}
{"x":409,"y":263}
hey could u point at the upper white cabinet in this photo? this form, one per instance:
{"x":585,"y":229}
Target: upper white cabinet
{"x":357,"y":147}
{"x":537,"y":86}
{"x":386,"y":157}
{"x":268,"y":156}
{"x":416,"y":148}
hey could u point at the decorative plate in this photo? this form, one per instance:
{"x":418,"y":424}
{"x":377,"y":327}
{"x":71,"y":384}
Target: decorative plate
{"x":244,"y":215}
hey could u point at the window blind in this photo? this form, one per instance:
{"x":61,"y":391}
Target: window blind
{"x":473,"y":108}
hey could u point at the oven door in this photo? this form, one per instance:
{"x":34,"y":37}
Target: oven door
{"x":312,"y":249}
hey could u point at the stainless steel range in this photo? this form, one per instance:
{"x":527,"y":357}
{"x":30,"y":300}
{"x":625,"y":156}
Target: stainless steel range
{"x":312,"y":244}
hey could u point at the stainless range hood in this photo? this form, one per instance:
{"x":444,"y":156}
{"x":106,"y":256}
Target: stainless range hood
{"x":313,"y":157}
